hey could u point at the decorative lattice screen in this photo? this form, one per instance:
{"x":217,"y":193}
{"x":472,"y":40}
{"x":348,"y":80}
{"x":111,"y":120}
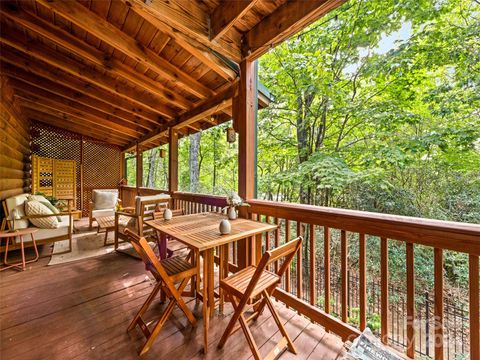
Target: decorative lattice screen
{"x":101,"y":162}
{"x":101,"y":169}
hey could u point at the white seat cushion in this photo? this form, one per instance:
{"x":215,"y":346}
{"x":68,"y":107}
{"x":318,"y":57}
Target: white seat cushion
{"x":102,"y":213}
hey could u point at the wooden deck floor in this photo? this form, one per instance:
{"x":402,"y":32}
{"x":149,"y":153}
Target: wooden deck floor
{"x":81,"y":310}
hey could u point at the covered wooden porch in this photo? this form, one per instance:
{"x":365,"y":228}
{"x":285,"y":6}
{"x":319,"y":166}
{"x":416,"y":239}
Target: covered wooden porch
{"x":96,"y":80}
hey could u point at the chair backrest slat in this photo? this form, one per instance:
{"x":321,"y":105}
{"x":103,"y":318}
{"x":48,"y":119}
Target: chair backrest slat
{"x":141,"y":246}
{"x":286,"y":251}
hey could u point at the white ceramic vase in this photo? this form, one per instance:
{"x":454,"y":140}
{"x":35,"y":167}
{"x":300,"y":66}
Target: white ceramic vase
{"x":232,"y":213}
{"x":167,"y":214}
{"x":225,"y":227}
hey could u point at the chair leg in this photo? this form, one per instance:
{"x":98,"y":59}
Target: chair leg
{"x":249,"y":336}
{"x":158,"y":327}
{"x":144,"y":307}
{"x":275,"y":316}
{"x":181,"y":303}
{"x":231,"y":324}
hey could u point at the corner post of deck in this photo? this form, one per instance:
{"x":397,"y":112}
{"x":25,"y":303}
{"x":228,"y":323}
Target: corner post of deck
{"x":245,"y":123}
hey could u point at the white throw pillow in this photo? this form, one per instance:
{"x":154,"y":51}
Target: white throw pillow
{"x":105,"y":200}
{"x":37,"y":208}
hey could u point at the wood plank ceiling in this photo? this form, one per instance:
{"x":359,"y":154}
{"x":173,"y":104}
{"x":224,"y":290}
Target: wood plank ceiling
{"x":124,"y":71}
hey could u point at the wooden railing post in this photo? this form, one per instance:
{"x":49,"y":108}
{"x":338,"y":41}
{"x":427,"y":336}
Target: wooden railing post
{"x":244,"y":119}
{"x":326,"y":266}
{"x":384,"y":289}
{"x":474,"y":307}
{"x":363,"y":280}
{"x":344,"y":274}
{"x":410,"y":300}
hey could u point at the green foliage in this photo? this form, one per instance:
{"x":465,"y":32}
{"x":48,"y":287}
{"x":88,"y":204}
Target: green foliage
{"x":363,"y":121}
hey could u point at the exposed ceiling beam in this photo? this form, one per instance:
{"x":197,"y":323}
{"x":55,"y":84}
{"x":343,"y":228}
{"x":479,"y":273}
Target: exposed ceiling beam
{"x":225,"y":15}
{"x":72,"y":120}
{"x":80,"y":113}
{"x":64,"y":123}
{"x":87,"y":73}
{"x":287,"y":20}
{"x":76,"y":106}
{"x":40,"y":84}
{"x":78,"y":86}
{"x":111,"y":65}
{"x":102,"y":29}
{"x":191,"y":19}
{"x":197,"y":49}
{"x":207,"y":108}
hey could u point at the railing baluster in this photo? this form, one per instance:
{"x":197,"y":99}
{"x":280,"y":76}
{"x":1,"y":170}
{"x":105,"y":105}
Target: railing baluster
{"x":438,"y":278}
{"x":287,"y":239}
{"x":410,"y":301}
{"x":277,"y":239}
{"x":313,"y":271}
{"x":300,"y":263}
{"x":384,"y":289}
{"x":326,"y":266}
{"x":344,"y":274}
{"x":363,"y":281}
{"x":267,"y":235}
{"x":474,"y":308}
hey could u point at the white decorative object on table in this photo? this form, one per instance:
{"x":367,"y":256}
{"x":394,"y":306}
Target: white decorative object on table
{"x":234,"y":201}
{"x":232,"y":213}
{"x":225,"y":227}
{"x":167,"y":214}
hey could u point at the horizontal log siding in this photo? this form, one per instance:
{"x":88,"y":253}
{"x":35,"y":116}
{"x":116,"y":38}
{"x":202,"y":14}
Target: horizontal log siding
{"x":14,"y":147}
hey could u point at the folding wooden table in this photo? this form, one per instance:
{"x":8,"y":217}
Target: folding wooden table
{"x":201,"y":233}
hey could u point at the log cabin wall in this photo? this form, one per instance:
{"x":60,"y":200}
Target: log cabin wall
{"x":98,"y":163}
{"x":14,"y":147}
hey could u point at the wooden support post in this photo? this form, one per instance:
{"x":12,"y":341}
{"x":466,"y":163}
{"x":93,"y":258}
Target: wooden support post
{"x":244,"y":117}
{"x":82,"y":205}
{"x":172,"y":160}
{"x":139,"y":172}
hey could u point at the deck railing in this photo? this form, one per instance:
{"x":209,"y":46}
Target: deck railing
{"x":318,"y":224}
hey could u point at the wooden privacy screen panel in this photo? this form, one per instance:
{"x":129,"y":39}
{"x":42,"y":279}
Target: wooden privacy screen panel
{"x":101,"y":168}
{"x":54,"y":177}
{"x":100,"y":162}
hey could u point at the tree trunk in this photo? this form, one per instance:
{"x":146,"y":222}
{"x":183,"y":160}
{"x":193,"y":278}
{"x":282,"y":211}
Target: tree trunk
{"x":152,"y":160}
{"x":194,"y":161}
{"x":304,"y":151}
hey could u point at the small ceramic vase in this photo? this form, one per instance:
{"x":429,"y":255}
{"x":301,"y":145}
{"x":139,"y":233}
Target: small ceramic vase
{"x":225,"y":227}
{"x":232,"y":213}
{"x":167,"y":214}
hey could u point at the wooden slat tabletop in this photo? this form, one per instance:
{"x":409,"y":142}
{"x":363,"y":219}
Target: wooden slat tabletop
{"x":201,"y":231}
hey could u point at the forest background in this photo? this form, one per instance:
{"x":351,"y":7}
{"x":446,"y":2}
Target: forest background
{"x":375,"y":107}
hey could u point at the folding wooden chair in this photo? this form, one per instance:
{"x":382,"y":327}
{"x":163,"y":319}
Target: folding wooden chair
{"x":246,"y":286}
{"x":166,"y":273}
{"x":163,"y":249}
